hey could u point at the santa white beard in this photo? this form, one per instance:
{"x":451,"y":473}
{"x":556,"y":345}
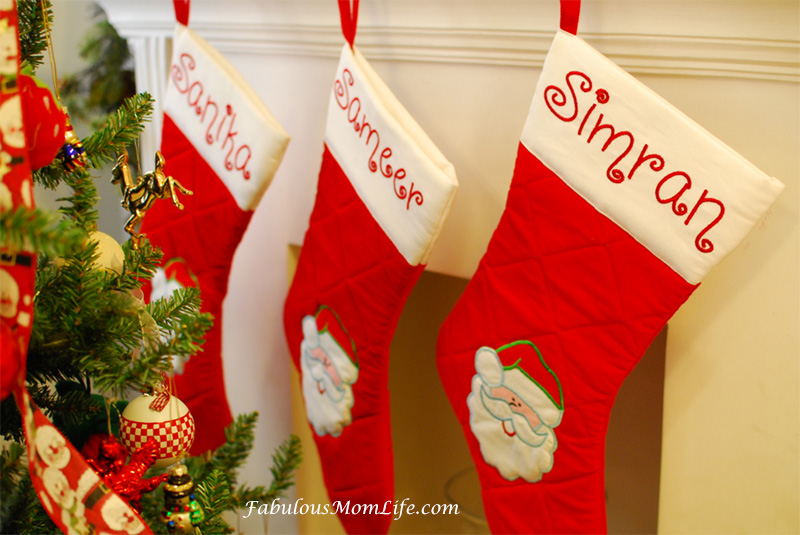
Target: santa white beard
{"x":513,"y":456}
{"x":162,"y":287}
{"x":327,"y":404}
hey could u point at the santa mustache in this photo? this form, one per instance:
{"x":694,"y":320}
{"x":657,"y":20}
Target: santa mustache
{"x":501,"y":410}
{"x":325,"y":383}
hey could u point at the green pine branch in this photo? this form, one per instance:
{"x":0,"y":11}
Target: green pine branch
{"x":140,"y":264}
{"x":285,"y":461}
{"x":216,"y":477}
{"x":228,"y":458}
{"x":92,"y":336}
{"x":42,"y":231}
{"x":12,"y":466}
{"x":32,"y":37}
{"x":214,"y":496}
{"x":122,"y":129}
{"x":26,"y":516}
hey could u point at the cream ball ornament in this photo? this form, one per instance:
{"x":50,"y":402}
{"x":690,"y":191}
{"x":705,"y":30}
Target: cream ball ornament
{"x":111,"y":257}
{"x":162,"y":417}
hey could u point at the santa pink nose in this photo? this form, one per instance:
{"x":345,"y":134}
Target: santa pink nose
{"x":319,"y":355}
{"x":517,"y":405}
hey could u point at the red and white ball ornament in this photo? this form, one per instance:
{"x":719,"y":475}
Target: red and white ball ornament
{"x":162,"y":417}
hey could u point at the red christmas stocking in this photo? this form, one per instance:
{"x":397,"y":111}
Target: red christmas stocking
{"x":72,"y":494}
{"x":383,"y":193}
{"x":618,"y":206}
{"x":222,"y":143}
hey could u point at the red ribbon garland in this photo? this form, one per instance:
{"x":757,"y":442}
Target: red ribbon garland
{"x":70,"y":491}
{"x":349,"y":19}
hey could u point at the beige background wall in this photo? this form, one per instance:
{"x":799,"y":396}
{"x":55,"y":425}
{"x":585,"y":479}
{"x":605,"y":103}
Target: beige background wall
{"x":466,"y":70}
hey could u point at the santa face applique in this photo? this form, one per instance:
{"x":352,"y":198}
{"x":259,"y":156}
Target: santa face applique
{"x":119,"y":516}
{"x":9,"y":295}
{"x":513,"y":416}
{"x":175,"y":275}
{"x":52,"y":447}
{"x":328,"y":373}
{"x":11,"y":129}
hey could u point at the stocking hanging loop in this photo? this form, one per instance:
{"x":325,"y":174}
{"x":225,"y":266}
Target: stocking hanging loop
{"x":570,"y":12}
{"x":349,"y":17}
{"x":182,"y":11}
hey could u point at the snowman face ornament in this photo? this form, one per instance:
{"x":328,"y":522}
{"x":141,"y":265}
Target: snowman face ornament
{"x":513,"y":416}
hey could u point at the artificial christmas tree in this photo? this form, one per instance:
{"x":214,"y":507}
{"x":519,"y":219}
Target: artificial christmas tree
{"x":78,"y":340}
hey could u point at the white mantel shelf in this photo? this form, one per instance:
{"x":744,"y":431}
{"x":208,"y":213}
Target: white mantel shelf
{"x":739,"y":39}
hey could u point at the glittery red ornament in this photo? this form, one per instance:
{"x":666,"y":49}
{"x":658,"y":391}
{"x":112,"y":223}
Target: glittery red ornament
{"x":127,"y":480}
{"x":105,"y":454}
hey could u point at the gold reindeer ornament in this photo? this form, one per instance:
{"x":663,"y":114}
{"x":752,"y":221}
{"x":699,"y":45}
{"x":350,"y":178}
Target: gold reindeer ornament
{"x":139,"y":195}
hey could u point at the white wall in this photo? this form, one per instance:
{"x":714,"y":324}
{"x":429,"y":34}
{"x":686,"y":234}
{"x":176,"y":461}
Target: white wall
{"x":72,"y":19}
{"x":466,"y":70}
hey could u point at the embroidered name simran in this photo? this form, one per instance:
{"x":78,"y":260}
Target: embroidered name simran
{"x":219,"y":123}
{"x":675,"y":188}
{"x":372,"y":139}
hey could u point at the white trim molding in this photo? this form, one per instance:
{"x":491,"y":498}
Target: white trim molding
{"x":657,"y":40}
{"x":745,"y":39}
{"x":151,"y":57}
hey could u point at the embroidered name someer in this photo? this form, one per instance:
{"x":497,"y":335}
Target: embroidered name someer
{"x":377,"y":156}
{"x":396,"y":170}
{"x":681,"y":192}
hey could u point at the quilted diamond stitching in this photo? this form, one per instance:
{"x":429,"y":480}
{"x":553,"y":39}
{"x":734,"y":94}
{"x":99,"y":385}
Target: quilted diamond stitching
{"x":578,"y":258}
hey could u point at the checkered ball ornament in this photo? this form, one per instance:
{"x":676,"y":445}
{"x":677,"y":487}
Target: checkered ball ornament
{"x":172,"y":428}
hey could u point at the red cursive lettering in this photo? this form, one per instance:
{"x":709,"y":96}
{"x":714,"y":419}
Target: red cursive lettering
{"x":567,"y":104}
{"x":355,"y":115}
{"x":238,"y":154}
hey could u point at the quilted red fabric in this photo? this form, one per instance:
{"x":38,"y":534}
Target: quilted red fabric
{"x":349,"y":264}
{"x":559,"y":274}
{"x":205,"y":235}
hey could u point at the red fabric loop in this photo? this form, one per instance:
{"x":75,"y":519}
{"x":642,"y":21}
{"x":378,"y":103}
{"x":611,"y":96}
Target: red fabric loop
{"x":349,"y":20}
{"x":570,"y":12}
{"x":182,"y":11}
